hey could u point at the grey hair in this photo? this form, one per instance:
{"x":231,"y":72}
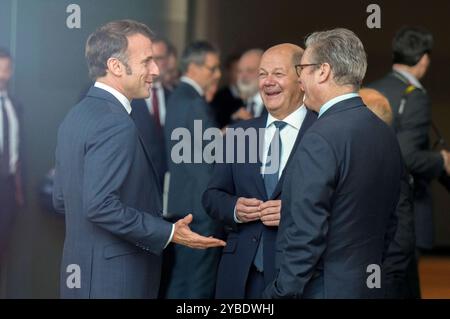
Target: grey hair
{"x":196,"y":53}
{"x":110,"y":41}
{"x":345,"y":53}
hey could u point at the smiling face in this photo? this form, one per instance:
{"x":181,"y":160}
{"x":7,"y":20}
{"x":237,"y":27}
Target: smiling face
{"x":278,"y":81}
{"x":137,"y":83}
{"x":309,"y":81}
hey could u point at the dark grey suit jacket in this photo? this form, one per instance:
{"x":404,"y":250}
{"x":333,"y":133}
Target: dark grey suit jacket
{"x":107,"y":187}
{"x":339,"y":198}
{"x":412,"y":128}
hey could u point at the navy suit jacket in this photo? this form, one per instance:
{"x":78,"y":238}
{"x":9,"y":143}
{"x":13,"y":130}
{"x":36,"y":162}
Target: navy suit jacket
{"x":228,"y":183}
{"x":188,"y":181}
{"x":339,"y":199}
{"x":152,"y":135}
{"x":106,"y":185}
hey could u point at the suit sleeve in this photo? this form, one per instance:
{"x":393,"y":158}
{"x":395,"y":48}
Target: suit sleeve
{"x":58,"y":197}
{"x":108,"y":159}
{"x":413,"y":138}
{"x":219,"y":199}
{"x":309,"y":204}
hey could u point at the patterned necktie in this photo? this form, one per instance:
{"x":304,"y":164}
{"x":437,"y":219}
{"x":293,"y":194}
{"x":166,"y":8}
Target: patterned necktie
{"x":4,"y":159}
{"x":270,"y":182}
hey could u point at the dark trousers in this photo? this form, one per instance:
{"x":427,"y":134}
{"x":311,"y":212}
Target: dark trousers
{"x":255,"y":284}
{"x":7,"y":211}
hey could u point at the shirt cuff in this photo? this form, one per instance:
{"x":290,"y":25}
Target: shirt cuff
{"x":235,"y":217}
{"x":171,"y":236}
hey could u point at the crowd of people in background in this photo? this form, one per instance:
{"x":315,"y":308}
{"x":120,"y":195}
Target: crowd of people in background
{"x":352,"y":189}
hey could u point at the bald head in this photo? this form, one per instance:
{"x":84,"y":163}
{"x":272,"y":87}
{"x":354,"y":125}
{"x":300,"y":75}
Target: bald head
{"x":292,"y":51}
{"x":378,"y":104}
{"x":278,"y":80}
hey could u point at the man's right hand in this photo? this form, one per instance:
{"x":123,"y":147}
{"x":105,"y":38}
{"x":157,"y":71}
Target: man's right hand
{"x":183,"y":235}
{"x":241,"y":114}
{"x":247,"y":209}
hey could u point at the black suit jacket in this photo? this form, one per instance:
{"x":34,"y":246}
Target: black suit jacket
{"x":339,"y":199}
{"x":412,"y":128}
{"x":224,"y":105}
{"x":229,"y":182}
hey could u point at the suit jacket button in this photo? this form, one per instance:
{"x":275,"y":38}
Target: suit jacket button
{"x":254,"y":239}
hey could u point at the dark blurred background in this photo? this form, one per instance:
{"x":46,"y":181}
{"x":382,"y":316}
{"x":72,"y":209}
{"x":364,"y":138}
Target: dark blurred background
{"x":50,"y":76}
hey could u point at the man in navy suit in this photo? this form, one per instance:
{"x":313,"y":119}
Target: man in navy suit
{"x":149,"y":114}
{"x":194,"y":272}
{"x":11,"y":195}
{"x":247,"y":201}
{"x":342,"y":187}
{"x":105,"y":181}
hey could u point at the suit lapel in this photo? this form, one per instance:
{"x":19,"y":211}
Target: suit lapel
{"x":310,"y":118}
{"x":102,"y":94}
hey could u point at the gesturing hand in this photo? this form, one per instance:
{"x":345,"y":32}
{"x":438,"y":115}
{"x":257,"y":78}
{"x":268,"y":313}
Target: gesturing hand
{"x":183,"y":235}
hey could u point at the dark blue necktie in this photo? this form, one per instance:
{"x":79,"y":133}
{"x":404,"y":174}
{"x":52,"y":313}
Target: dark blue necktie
{"x":270,"y":182}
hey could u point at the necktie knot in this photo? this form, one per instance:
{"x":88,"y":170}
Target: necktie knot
{"x":279,"y":124}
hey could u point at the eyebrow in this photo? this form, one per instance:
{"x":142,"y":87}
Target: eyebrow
{"x":147,"y":59}
{"x":274,"y":70}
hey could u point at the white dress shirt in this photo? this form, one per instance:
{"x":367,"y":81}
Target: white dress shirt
{"x":258,"y":104}
{"x":411,"y":78}
{"x":336,"y":100}
{"x":13,"y":133}
{"x":126,"y":104}
{"x":122,"y":98}
{"x":288,"y":136}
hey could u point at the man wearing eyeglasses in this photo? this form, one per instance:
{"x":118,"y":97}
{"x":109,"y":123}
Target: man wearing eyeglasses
{"x":193,"y":274}
{"x":343,"y":183}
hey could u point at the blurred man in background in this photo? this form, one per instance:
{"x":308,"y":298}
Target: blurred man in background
{"x":150,"y":114}
{"x":411,"y":108}
{"x":227,"y":100}
{"x":194,"y":273}
{"x":247,"y":83}
{"x":11,"y":195}
{"x":171,"y":77}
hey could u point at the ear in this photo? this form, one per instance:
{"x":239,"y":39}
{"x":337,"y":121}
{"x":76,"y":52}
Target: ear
{"x":324,"y":72}
{"x":115,"y":67}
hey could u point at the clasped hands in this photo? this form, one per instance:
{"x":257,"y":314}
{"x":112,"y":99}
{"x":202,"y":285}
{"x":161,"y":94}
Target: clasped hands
{"x":252,"y":209}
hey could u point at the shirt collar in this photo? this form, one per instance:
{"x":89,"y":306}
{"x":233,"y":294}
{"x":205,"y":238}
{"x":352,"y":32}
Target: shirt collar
{"x":192,"y":83}
{"x":336,"y":100}
{"x":122,"y":98}
{"x":294,"y":119}
{"x":411,"y":78}
{"x":4,"y":94}
{"x":257,"y":99}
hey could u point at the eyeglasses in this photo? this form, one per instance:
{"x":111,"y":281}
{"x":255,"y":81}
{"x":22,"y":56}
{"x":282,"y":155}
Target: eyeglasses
{"x":302,"y":66}
{"x":212,"y":69}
